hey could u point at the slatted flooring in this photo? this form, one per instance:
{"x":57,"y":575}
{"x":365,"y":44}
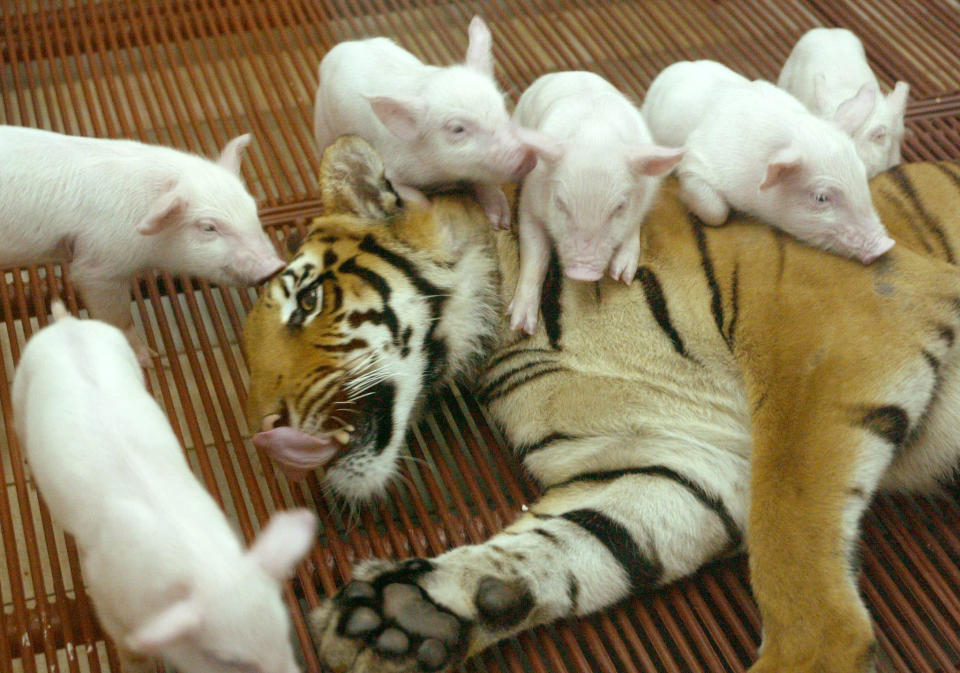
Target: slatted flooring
{"x":194,"y":73}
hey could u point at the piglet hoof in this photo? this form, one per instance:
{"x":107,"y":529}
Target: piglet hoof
{"x":623,"y":266}
{"x":389,"y":623}
{"x":145,"y":354}
{"x":523,"y":315}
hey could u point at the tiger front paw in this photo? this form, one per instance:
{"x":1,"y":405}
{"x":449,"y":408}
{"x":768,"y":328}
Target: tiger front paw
{"x":386,"y":622}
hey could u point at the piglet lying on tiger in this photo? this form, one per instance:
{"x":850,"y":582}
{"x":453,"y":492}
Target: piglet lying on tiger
{"x":746,"y":388}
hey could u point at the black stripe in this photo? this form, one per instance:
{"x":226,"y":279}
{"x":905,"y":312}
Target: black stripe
{"x":379,"y":406}
{"x":735,"y":303}
{"x":889,"y":422}
{"x":716,"y":301}
{"x":353,"y":344}
{"x":906,"y":186}
{"x":503,"y":356}
{"x":657,"y":302}
{"x":550,"y":297}
{"x":547,"y":535}
{"x":337,"y":298}
{"x":712,"y":502}
{"x":524,"y":450}
{"x":918,"y":427}
{"x":642,"y":572}
{"x":947,"y":334}
{"x":492,"y":386}
{"x":780,"y":239}
{"x":503,"y":392}
{"x":404,"y":265}
{"x":573,"y":592}
{"x":949,"y":172}
{"x":381,"y":287}
{"x":950,"y":167}
{"x":436,"y":348}
{"x":904,"y":214}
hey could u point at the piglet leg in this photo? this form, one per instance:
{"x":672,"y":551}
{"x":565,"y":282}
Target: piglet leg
{"x":109,"y":300}
{"x":705,"y":201}
{"x":132,"y":662}
{"x":534,"y":258}
{"x":623,"y":266}
{"x":494,"y":204}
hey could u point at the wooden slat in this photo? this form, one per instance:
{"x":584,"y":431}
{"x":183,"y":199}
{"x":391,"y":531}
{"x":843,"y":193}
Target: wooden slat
{"x":194,"y":73}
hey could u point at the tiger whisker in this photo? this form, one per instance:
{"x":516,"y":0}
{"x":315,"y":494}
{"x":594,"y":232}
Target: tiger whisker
{"x":416,"y":459}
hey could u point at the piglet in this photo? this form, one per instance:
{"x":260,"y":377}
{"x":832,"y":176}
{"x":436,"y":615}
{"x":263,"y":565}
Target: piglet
{"x":166,"y":573}
{"x":597,"y":175}
{"x":680,"y":95}
{"x":433,"y":126}
{"x":756,"y":148}
{"x":113,"y":208}
{"x":828,"y":72}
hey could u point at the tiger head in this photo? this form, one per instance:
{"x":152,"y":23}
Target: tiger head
{"x":376,"y":308}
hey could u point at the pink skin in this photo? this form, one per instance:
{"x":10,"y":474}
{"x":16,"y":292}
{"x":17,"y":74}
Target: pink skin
{"x":295,"y":451}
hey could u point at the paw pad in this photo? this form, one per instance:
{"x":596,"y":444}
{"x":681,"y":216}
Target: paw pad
{"x":396,"y":619}
{"x":502,"y":604}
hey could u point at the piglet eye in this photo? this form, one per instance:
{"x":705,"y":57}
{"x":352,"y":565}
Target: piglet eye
{"x":622,"y":206}
{"x":208,"y":227}
{"x":821,"y":198}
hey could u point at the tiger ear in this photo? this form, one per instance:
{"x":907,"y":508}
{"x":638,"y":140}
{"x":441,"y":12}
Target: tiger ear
{"x":352,"y":180}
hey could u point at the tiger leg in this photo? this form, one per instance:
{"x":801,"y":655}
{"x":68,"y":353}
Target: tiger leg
{"x":810,"y":486}
{"x":586,"y":545}
{"x":705,"y":201}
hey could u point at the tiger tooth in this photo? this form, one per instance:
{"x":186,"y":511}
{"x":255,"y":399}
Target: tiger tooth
{"x":342,"y":436}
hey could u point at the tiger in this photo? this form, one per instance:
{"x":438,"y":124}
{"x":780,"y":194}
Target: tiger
{"x":745,"y":393}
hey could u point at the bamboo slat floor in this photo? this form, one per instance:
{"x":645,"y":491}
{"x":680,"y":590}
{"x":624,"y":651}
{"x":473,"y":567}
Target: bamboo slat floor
{"x":194,"y":73}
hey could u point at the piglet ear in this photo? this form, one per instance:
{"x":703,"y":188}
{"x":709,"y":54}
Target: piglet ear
{"x":231,"y":155}
{"x":897,"y":100}
{"x":545,"y":147}
{"x":782,"y":163}
{"x":286,"y":539}
{"x":167,"y":626}
{"x":480,"y":47}
{"x":820,"y":94}
{"x":401,"y":116}
{"x":655,"y":160}
{"x":853,"y":112}
{"x":167,"y":211}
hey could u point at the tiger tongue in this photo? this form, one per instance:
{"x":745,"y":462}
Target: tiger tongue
{"x":297,"y":452}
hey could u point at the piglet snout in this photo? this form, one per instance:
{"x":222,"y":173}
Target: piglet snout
{"x":881,"y":246}
{"x":583,"y":272}
{"x":257,"y":266}
{"x":268,"y":269}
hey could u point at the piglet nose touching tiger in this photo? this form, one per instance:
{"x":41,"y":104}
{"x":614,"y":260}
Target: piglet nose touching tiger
{"x":749,"y":392}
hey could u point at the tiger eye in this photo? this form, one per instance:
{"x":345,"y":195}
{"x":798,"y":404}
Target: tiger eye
{"x":307,"y":301}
